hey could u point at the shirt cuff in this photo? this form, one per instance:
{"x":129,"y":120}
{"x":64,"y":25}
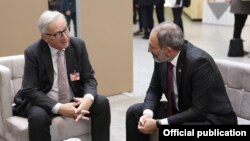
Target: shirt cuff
{"x":164,"y":121}
{"x":55,"y":109}
{"x":89,"y":96}
{"x":148,"y":112}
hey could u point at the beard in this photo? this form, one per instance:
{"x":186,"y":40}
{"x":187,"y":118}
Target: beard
{"x":161,"y":58}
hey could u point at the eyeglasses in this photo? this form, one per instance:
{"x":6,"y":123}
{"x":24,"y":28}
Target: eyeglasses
{"x":59,"y":34}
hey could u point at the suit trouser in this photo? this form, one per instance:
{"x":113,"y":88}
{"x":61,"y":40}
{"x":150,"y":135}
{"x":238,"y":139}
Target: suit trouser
{"x":177,"y":13}
{"x":132,"y":117}
{"x":135,"y":11}
{"x":135,"y":112}
{"x":73,"y":17}
{"x":239,"y":23}
{"x":159,"y":8}
{"x":140,"y":18}
{"x":40,"y":121}
{"x":147,"y":19}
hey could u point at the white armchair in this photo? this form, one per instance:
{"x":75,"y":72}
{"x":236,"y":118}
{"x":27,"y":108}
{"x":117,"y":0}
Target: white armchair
{"x":14,"y":128}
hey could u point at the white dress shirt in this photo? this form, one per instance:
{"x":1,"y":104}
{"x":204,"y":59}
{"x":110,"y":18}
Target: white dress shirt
{"x":54,"y":92}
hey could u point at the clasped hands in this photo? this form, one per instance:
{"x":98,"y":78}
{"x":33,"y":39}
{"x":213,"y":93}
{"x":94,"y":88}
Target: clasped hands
{"x":78,"y":109}
{"x":147,"y":124}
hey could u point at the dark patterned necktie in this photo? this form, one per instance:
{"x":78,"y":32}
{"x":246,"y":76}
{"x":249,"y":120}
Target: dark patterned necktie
{"x":169,"y":88}
{"x":62,"y":78}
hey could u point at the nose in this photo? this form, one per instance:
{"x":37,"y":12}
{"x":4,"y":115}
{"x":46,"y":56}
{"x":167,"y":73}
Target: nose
{"x":64,"y":35}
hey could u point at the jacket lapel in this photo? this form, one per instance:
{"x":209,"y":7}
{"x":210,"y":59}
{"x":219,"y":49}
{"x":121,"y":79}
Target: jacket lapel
{"x":180,"y":66}
{"x":69,"y":54}
{"x":164,"y":76}
{"x":47,"y":61}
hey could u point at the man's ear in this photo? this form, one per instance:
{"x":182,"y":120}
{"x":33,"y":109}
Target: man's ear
{"x":44,"y":37}
{"x":169,"y":51}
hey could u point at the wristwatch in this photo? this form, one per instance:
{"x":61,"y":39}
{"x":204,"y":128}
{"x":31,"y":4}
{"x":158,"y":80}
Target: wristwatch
{"x":158,"y":122}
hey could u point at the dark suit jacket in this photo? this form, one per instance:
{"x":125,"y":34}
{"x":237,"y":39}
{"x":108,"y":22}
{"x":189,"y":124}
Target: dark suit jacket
{"x":159,"y":2}
{"x":146,"y":2}
{"x":68,"y":5}
{"x":201,"y":90}
{"x":38,"y":75}
{"x":186,"y":3}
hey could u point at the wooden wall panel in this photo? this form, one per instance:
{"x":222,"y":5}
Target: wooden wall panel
{"x":106,"y":27}
{"x":18,"y":26}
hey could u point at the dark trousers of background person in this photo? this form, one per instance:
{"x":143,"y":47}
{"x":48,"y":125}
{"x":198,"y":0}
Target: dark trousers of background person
{"x":73,"y":18}
{"x":159,"y":8}
{"x":138,"y":14}
{"x":236,"y":47}
{"x":140,"y":19}
{"x":240,"y":20}
{"x":147,"y":19}
{"x":177,"y":15}
{"x":135,"y":12}
{"x":40,"y":121}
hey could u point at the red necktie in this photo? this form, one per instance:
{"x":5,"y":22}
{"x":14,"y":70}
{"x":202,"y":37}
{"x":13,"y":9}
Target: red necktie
{"x":169,"y":88}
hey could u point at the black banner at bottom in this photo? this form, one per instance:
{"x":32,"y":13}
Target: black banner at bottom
{"x":199,"y":132}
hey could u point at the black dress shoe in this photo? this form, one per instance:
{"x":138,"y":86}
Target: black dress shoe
{"x":139,"y":32}
{"x":145,"y":37}
{"x":236,"y":48}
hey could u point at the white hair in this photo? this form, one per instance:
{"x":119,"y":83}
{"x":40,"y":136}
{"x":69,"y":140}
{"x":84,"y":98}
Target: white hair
{"x":47,"y":18}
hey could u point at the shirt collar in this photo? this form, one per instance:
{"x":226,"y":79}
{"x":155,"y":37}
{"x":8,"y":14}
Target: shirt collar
{"x":53,"y":50}
{"x":174,"y":60}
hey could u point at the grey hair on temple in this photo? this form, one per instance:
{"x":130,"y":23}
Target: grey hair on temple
{"x":169,"y":35}
{"x":47,"y":18}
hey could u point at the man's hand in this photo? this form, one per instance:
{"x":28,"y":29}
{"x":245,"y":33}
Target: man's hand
{"x":68,"y":110}
{"x":142,"y":119}
{"x":84,"y":105}
{"x":146,"y":124}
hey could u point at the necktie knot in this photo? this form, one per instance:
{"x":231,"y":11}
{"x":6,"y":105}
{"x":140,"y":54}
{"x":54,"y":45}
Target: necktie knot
{"x":170,"y":66}
{"x":60,"y":52}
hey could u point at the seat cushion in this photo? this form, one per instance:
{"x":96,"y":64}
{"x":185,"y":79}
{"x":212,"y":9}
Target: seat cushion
{"x":64,"y":128}
{"x":242,"y":121}
{"x":61,"y":128}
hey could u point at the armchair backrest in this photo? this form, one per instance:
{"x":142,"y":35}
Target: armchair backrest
{"x":11,"y":73}
{"x":236,"y":76}
{"x":15,"y":64}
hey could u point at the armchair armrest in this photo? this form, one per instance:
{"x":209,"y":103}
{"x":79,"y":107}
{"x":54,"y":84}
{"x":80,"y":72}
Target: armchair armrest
{"x":5,"y":97}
